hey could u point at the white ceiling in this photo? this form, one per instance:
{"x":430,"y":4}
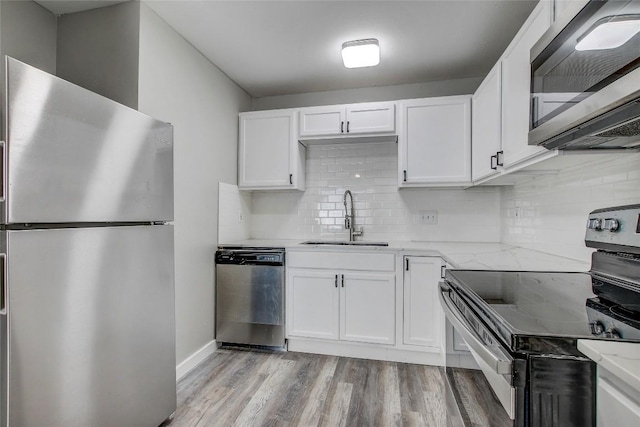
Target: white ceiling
{"x":62,"y":7}
{"x":284,"y":47}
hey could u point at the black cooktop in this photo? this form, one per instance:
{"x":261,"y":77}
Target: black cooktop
{"x":548,"y":311}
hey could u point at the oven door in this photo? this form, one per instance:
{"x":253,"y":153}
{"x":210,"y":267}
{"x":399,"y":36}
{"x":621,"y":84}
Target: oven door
{"x":495,"y":362}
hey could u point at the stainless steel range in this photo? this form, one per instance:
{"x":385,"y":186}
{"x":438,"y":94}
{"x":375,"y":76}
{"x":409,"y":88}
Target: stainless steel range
{"x":522,"y":329}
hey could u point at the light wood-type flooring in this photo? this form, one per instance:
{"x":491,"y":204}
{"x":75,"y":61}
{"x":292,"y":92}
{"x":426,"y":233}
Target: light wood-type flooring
{"x":236,"y":387}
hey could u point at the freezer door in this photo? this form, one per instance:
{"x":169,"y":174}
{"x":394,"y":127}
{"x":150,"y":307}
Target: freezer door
{"x":91,"y":326}
{"x":74,"y":156}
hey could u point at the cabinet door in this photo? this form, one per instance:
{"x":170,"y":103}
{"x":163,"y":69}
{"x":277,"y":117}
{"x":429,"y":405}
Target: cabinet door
{"x":422,"y":312}
{"x":516,"y":81}
{"x":435,"y":141}
{"x":312,"y":303}
{"x":486,"y":125}
{"x":265,"y":152}
{"x":322,"y":121}
{"x":371,"y":118}
{"x":367,"y":308}
{"x":615,"y":407}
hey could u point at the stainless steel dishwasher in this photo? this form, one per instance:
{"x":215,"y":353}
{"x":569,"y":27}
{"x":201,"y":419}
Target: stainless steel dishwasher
{"x":250,"y":296}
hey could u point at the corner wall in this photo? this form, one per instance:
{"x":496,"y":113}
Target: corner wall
{"x":177,"y":84}
{"x":98,"y":50}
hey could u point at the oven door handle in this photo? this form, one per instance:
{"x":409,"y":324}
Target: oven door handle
{"x":493,"y":356}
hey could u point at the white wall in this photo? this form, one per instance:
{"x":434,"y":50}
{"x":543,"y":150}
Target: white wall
{"x":28,"y":34}
{"x":179,"y":85}
{"x":370,"y":94}
{"x":554,"y":208}
{"x":234,"y":214}
{"x":385,"y":212}
{"x":98,"y":50}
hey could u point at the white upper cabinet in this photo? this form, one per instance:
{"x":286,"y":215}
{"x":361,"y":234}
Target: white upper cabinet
{"x":434,"y":142}
{"x":487,"y":124}
{"x":269,"y":155}
{"x":346,"y":120}
{"x":321,"y":121}
{"x":371,"y":118}
{"x":516,"y":78}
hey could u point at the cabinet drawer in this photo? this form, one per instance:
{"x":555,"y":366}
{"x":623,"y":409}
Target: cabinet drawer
{"x":342,"y":260}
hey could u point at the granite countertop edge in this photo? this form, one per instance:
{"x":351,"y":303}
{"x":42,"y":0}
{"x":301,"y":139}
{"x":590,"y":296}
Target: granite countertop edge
{"x":460,"y":255}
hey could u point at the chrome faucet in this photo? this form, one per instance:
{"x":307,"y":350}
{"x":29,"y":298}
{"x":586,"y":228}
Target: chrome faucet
{"x":350,"y":219}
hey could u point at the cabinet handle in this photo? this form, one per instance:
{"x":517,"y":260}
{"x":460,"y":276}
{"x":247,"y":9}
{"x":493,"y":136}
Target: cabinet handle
{"x":336,"y":282}
{"x":406,"y":264}
{"x":341,"y":127}
{"x":500,"y":158}
{"x":342,"y":280}
{"x":347,"y":126}
{"x":404,"y":176}
{"x":494,"y":157}
{"x":442,"y":270}
{"x":291,"y":178}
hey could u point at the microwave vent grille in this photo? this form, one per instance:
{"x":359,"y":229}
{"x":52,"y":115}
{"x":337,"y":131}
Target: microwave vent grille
{"x":628,"y":129}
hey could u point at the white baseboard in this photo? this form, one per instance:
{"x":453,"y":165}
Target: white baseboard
{"x":195,"y":359}
{"x":364,"y":351}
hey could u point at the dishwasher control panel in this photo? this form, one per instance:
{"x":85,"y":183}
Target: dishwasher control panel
{"x":249,"y":257}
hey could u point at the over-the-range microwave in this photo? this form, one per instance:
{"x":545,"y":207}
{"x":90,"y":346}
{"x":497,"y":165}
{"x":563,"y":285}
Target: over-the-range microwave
{"x":585,"y":78}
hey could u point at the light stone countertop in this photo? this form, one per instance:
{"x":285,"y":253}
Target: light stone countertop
{"x":622,"y":359}
{"x":462,"y":255}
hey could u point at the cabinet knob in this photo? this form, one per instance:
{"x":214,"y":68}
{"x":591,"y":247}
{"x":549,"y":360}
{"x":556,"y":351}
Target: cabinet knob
{"x":494,"y":157}
{"x":500,"y":158}
{"x":291,"y":178}
{"x":347,"y":126}
{"x":341,"y":127}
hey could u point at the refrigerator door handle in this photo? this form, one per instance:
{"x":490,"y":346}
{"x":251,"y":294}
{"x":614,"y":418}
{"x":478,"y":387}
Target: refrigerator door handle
{"x":3,"y":285}
{"x":3,"y":167}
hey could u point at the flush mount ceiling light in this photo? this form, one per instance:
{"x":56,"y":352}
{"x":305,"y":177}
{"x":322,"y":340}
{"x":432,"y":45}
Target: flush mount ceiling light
{"x":610,"y":33}
{"x":361,"y":53}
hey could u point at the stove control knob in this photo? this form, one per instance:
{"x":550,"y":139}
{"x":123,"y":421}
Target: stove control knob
{"x":597,"y":328}
{"x":611,"y":224}
{"x":595,"y":224}
{"x":613,"y":333}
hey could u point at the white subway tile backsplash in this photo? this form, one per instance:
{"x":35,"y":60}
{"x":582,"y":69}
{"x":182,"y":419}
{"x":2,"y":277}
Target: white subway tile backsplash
{"x":554,"y":208}
{"x":386,"y":213}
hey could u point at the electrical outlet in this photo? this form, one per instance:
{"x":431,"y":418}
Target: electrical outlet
{"x":428,"y":217}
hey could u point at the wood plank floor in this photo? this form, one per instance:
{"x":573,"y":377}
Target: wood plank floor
{"x":254,"y":388}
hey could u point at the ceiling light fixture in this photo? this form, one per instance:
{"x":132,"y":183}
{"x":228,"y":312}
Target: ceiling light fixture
{"x":610,"y":33}
{"x":361,"y":53}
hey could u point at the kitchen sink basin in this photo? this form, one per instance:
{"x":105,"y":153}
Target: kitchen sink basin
{"x":343,"y":243}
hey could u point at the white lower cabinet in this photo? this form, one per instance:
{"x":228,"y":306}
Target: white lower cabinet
{"x":335,"y":303}
{"x":422,"y":312}
{"x":312,"y":304}
{"x":367,"y":311}
{"x":341,"y":305}
{"x":618,"y":405}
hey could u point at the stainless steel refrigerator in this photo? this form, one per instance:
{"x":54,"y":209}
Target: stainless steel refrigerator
{"x":86,"y":258}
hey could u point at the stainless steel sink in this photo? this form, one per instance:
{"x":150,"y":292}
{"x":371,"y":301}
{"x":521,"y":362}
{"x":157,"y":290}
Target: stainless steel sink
{"x":343,"y":243}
